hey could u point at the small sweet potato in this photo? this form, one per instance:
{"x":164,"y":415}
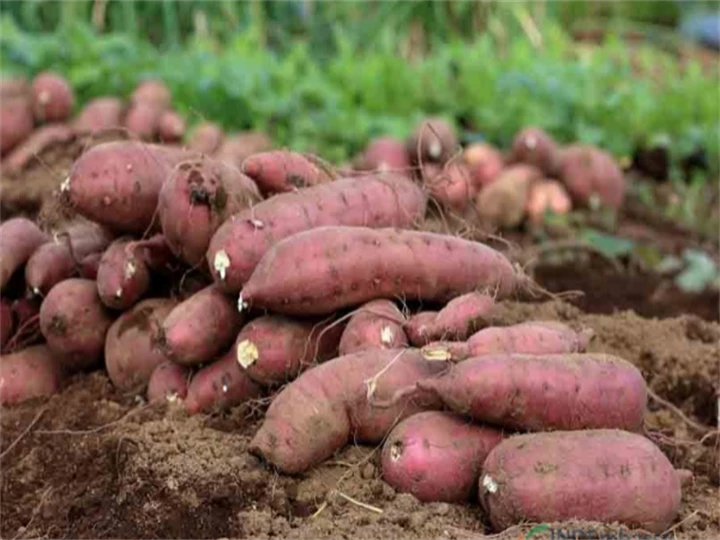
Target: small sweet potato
{"x":27,"y":374}
{"x":199,"y":328}
{"x":450,"y":185}
{"x":100,"y":114}
{"x":16,"y":123}
{"x":485,"y":163}
{"x":610,"y":476}
{"x":532,"y":146}
{"x":503,"y":202}
{"x":74,"y":322}
{"x":19,"y":238}
{"x":52,"y":98}
{"x":437,"y":456}
{"x":197,"y":197}
{"x":206,"y":138}
{"x":123,"y":277}
{"x":237,"y":147}
{"x":171,"y":127}
{"x":376,"y":325}
{"x":39,"y":141}
{"x":130,"y":354}
{"x":590,"y":173}
{"x":168,"y":381}
{"x":143,"y":120}
{"x":279,"y":171}
{"x":385,"y":154}
{"x":545,"y":196}
{"x":433,"y":140}
{"x":274,"y":350}
{"x":7,"y":322}
{"x":154,"y":92}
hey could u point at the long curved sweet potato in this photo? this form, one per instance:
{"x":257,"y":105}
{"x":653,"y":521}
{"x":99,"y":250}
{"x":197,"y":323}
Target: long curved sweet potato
{"x":376,"y":325}
{"x":19,"y":238}
{"x":279,"y":171}
{"x":30,"y":373}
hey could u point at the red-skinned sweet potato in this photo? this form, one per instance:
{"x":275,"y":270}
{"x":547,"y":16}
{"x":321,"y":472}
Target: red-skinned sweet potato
{"x":74,"y":322}
{"x":30,"y":373}
{"x":168,"y":381}
{"x":385,"y":154}
{"x":545,"y":196}
{"x":590,"y":173}
{"x":485,"y":163}
{"x":52,"y":97}
{"x":143,"y":120}
{"x":206,"y":138}
{"x":502,"y":203}
{"x":279,"y":171}
{"x":532,"y":146}
{"x":39,"y":141}
{"x":89,"y":266}
{"x":19,"y":238}
{"x":16,"y":123}
{"x":437,"y":456}
{"x":171,"y":127}
{"x":237,"y":147}
{"x":14,"y":87}
{"x":154,"y":92}
{"x":450,"y":185}
{"x":610,"y":476}
{"x":100,"y":114}
{"x":380,"y":200}
{"x":433,"y":140}
{"x":197,"y":197}
{"x":123,"y":277}
{"x":376,"y":325}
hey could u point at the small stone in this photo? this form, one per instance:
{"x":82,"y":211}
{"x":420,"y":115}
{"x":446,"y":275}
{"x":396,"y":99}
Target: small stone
{"x":368,"y":471}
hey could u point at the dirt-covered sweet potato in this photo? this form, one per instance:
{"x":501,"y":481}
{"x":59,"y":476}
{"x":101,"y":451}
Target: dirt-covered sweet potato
{"x":376,"y":325}
{"x":206,"y":138}
{"x":171,"y":127}
{"x":74,"y":322}
{"x":433,"y":140}
{"x":545,"y":196}
{"x":450,"y":185}
{"x":123,"y":277}
{"x":16,"y":122}
{"x":100,"y":114}
{"x":378,"y":200}
{"x":168,"y":381}
{"x":19,"y":238}
{"x":130,"y":354}
{"x":274,"y":350}
{"x":237,"y":147}
{"x":279,"y":171}
{"x":590,"y":173}
{"x":385,"y":154}
{"x":603,"y":475}
{"x":39,"y":141}
{"x":533,"y":146}
{"x":52,"y":98}
{"x":154,"y":92}
{"x":197,"y":197}
{"x":30,"y":373}
{"x":437,"y":456}
{"x":485,"y":163}
{"x":502,"y":203}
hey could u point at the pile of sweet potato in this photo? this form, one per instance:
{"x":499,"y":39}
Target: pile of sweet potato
{"x":187,"y":275}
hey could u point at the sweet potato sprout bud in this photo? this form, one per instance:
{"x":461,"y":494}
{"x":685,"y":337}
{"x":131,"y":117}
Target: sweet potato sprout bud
{"x":489,"y":485}
{"x":221,"y":263}
{"x":118,"y":293}
{"x":247,"y":353}
{"x":130,"y":269}
{"x":435,"y":149}
{"x":386,"y":335}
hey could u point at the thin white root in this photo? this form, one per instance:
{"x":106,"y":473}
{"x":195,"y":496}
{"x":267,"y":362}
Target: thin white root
{"x":371,"y":383}
{"x":359,"y":503}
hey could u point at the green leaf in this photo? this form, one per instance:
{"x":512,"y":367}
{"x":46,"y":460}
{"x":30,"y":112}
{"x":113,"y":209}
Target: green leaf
{"x":609,"y":245}
{"x":699,"y":274}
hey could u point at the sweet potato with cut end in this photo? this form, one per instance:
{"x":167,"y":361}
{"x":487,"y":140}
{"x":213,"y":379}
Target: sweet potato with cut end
{"x":545,"y":196}
{"x":143,"y":120}
{"x":7,"y":322}
{"x":459,"y":319}
{"x":100,"y":114}
{"x":27,"y":374}
{"x":220,"y":386}
{"x":19,"y":238}
{"x":274,"y":350}
{"x":171,"y":127}
{"x":327,"y":406}
{"x":485,"y":163}
{"x":590,"y":173}
{"x":379,"y":200}
{"x":450,"y":185}
{"x":279,"y":171}
{"x":39,"y":141}
{"x":319,"y":271}
{"x":16,"y":123}
{"x":532,"y":146}
{"x":130,"y":352}
{"x":433,"y":140}
{"x":74,"y":322}
{"x":206,"y":138}
{"x":117,"y":183}
{"x":604,"y":475}
{"x":376,"y":325}
{"x":199,"y":328}
{"x":237,"y":147}
{"x":154,"y":92}
{"x":385,"y":154}
{"x":545,"y":392}
{"x":168,"y":381}
{"x":437,"y":456}
{"x":503,"y":202}
{"x":198,"y":196}
{"x":123,"y":277}
{"x":52,"y":98}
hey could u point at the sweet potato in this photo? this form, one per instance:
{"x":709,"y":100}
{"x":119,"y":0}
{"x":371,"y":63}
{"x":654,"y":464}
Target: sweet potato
{"x":19,"y":238}
{"x":610,"y":476}
{"x":485,"y":163}
{"x":503,"y":202}
{"x":7,"y":322}
{"x":385,"y":154}
{"x":39,"y":141}
{"x":61,"y":258}
{"x":545,"y":196}
{"x":123,"y":278}
{"x":16,"y":123}
{"x":171,"y":127}
{"x":100,"y":114}
{"x":199,"y":328}
{"x":437,"y":456}
{"x":14,"y":87}
{"x":329,"y":268}
{"x":206,"y":138}
{"x":460,"y":318}
{"x":380,"y":200}
{"x":168,"y":380}
{"x":279,"y":171}
{"x":197,"y":197}
{"x":117,"y":183}
{"x":532,"y":146}
{"x":154,"y":92}
{"x":30,"y":373}
{"x":377,"y":325}
{"x":74,"y":322}
{"x":590,"y":173}
{"x":327,"y":406}
{"x":237,"y":147}
{"x":433,"y":140}
{"x":143,"y":120}
{"x":545,"y":392}
{"x":273,"y":349}
{"x":89,"y":266}
{"x":220,"y":386}
{"x":130,"y":354}
{"x":52,"y":98}
{"x":450,"y":185}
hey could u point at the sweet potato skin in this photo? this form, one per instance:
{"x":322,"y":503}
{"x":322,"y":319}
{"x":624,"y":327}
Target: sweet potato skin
{"x":539,"y":478}
{"x":171,"y":127}
{"x":484,"y":162}
{"x":589,"y":172}
{"x":279,"y":171}
{"x":433,"y":140}
{"x":374,"y":200}
{"x":122,"y":277}
{"x":30,"y":373}
{"x":437,"y":456}
{"x":130,"y":354}
{"x":143,"y":120}
{"x":532,"y":337}
{"x":168,"y":379}
{"x":385,"y":154}
{"x":533,"y":146}
{"x":19,"y":238}
{"x":545,"y":392}
{"x":74,"y":322}
{"x":377,"y":325}
{"x":16,"y":122}
{"x":322,"y":270}
{"x":100,"y":114}
{"x":325,"y":407}
{"x":451,"y":185}
{"x":53,"y":98}
{"x":206,"y":138}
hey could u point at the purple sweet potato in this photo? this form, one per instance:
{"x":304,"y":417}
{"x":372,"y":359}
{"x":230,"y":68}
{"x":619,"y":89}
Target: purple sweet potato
{"x":16,"y":122}
{"x":117,"y":183}
{"x":19,"y":238}
{"x":171,"y":127}
{"x":130,"y":354}
{"x":52,"y":97}
{"x":199,"y":328}
{"x":279,"y":171}
{"x":74,"y":322}
{"x":197,"y":197}
{"x":220,"y":386}
{"x":437,"y":456}
{"x":206,"y":138}
{"x":545,"y":392}
{"x":39,"y":141}
{"x":168,"y":380}
{"x":376,"y":325}
{"x":273,"y":349}
{"x":329,"y":268}
{"x":590,"y":173}
{"x":123,"y":277}
{"x":604,"y":475}
{"x":7,"y":322}
{"x":433,"y":140}
{"x":385,"y":154}
{"x":329,"y":405}
{"x":30,"y":373}
{"x":100,"y":114}
{"x":378,"y":200}
{"x":532,"y":146}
